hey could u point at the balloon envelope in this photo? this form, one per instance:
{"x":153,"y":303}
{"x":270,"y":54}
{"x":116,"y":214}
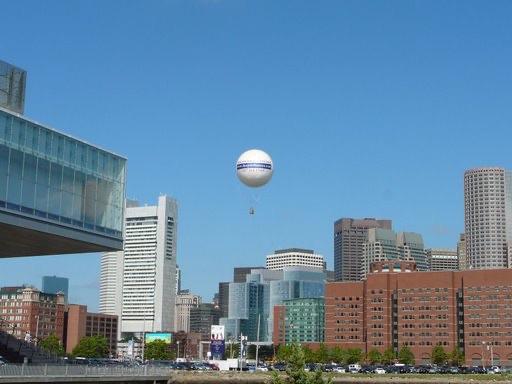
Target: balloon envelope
{"x":254,"y":168}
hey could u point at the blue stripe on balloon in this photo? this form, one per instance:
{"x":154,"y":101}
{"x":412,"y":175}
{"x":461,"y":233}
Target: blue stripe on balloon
{"x":254,"y":165}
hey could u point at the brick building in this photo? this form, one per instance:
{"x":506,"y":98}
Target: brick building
{"x":80,"y":323}
{"x":27,"y":310}
{"x":398,"y":306}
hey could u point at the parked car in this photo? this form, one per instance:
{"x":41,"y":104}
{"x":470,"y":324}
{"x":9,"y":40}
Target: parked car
{"x":339,"y":369}
{"x":494,"y":369}
{"x":379,"y":371}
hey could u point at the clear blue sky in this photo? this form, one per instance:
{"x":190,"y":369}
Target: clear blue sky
{"x":368,"y":108}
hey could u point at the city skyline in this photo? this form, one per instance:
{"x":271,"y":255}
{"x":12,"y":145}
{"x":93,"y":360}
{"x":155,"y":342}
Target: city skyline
{"x":388,"y":109}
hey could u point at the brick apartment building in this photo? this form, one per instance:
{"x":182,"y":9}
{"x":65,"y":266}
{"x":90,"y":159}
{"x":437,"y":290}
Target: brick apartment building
{"x":80,"y":323}
{"x":27,"y":310}
{"x":397,"y":306}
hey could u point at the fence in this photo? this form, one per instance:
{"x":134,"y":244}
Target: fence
{"x":16,"y":370}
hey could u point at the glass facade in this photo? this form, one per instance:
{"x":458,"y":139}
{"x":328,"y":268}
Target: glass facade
{"x":255,"y":299}
{"x":304,"y":320}
{"x":53,"y":177}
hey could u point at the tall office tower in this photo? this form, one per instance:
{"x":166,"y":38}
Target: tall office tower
{"x":149,"y":268}
{"x":54,"y":284}
{"x":239,"y":273}
{"x":12,"y":87}
{"x":442,"y":260}
{"x":224,"y":298}
{"x":184,"y":302}
{"x":385,"y":244}
{"x":461,"y":253}
{"x":488,"y":217}
{"x":111,"y":283}
{"x":349,"y":236}
{"x":294,"y":257}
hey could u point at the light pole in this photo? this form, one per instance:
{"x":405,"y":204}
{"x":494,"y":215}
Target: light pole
{"x":483,"y":361}
{"x":37,"y":329}
{"x":178,"y":354}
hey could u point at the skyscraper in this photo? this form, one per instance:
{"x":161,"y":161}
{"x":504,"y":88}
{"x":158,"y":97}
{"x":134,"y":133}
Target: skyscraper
{"x":488,"y":217}
{"x":149,"y":268}
{"x":349,"y":236}
{"x":111,"y":283}
{"x":54,"y":284}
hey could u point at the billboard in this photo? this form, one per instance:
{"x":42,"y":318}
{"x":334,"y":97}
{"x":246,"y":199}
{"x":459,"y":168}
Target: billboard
{"x":153,"y":336}
{"x":217,"y":341}
{"x":217,"y":332}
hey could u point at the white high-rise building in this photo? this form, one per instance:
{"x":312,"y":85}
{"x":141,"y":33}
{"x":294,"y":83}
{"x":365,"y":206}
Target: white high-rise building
{"x":149,"y":267}
{"x":111,"y":278}
{"x":184,"y":302}
{"x":294,"y":257}
{"x":488,"y":217}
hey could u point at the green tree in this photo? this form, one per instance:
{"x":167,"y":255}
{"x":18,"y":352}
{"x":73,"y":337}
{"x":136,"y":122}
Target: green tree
{"x":388,"y":357}
{"x":337,"y":355}
{"x":52,"y":344}
{"x":374,"y":356}
{"x":295,"y":372}
{"x":439,"y":356}
{"x":309,"y":355}
{"x":283,"y":352}
{"x":91,"y":346}
{"x":457,"y":357}
{"x":158,"y":350}
{"x":405,"y":355}
{"x":353,"y":355}
{"x":322,"y":354}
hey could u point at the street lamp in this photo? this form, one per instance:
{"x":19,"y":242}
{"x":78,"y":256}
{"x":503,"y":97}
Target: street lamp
{"x":178,"y":354}
{"x":483,"y":361}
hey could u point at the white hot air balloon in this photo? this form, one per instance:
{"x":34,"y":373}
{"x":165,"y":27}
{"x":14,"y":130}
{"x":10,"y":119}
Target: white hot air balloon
{"x":254,"y":168}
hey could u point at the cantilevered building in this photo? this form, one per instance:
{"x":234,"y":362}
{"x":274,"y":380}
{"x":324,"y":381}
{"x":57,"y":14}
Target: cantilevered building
{"x":58,"y":194}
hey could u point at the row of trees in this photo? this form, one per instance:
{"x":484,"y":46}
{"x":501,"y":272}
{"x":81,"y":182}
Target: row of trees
{"x":91,"y":346}
{"x":97,"y":347}
{"x":374,"y":356}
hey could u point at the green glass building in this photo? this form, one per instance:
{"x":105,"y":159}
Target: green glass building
{"x":304,"y":321}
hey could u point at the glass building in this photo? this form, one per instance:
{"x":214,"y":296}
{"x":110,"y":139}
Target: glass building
{"x":58,"y":194}
{"x":255,"y":299}
{"x":305,"y":320}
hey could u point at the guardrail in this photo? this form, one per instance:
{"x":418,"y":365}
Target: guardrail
{"x":64,"y":370}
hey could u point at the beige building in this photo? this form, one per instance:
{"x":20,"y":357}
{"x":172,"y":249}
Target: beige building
{"x":488,"y":216}
{"x":442,"y":259}
{"x":461,"y":253}
{"x":184,"y":302}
